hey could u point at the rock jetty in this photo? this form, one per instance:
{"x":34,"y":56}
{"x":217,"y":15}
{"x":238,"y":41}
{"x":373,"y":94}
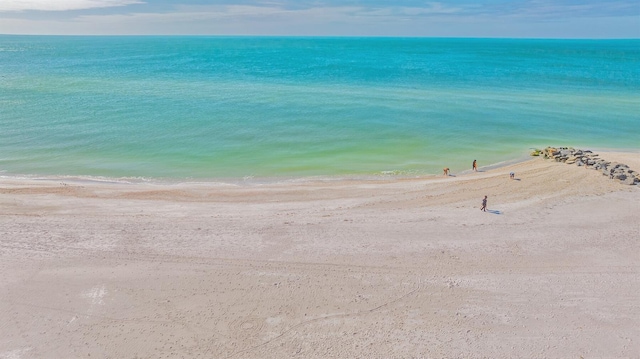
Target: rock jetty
{"x":569,"y":155}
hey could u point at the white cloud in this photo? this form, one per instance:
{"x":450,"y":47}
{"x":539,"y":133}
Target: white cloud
{"x":61,"y":5}
{"x":273,"y":18}
{"x":249,"y":13}
{"x":231,"y":13}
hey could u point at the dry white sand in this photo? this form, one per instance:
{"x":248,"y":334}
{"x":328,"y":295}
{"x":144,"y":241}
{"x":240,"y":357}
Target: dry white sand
{"x":329,"y":269}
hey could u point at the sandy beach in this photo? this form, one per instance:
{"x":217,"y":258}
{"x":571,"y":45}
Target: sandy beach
{"x":388,"y":268}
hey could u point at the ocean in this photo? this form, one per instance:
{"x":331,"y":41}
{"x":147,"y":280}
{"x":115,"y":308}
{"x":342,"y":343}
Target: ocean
{"x":228,"y":108}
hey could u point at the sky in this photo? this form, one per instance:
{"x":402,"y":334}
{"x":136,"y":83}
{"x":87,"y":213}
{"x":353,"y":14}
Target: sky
{"x":405,"y":18}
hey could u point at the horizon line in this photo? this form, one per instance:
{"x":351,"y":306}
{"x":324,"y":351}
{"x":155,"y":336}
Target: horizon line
{"x":326,"y":36}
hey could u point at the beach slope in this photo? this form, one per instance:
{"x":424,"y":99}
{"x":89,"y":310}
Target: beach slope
{"x":388,"y":268}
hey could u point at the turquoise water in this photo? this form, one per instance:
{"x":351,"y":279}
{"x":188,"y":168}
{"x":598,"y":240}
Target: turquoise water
{"x":232,"y":107}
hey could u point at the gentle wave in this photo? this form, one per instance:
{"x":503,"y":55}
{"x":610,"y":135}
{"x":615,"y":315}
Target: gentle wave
{"x":253,"y":108}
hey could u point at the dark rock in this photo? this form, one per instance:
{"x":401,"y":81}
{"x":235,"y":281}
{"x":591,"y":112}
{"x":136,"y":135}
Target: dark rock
{"x":629,"y":181}
{"x":588,"y":159}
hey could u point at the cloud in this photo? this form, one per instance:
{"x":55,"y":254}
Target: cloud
{"x":234,"y":13}
{"x":533,"y":18}
{"x":279,"y":12}
{"x":61,"y":5}
{"x":563,"y":9}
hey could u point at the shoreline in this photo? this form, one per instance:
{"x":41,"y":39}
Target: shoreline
{"x":390,"y":268}
{"x":623,"y":154}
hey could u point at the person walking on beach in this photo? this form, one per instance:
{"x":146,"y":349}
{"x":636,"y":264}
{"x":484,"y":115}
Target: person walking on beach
{"x":484,"y":204}
{"x":475,"y":166}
